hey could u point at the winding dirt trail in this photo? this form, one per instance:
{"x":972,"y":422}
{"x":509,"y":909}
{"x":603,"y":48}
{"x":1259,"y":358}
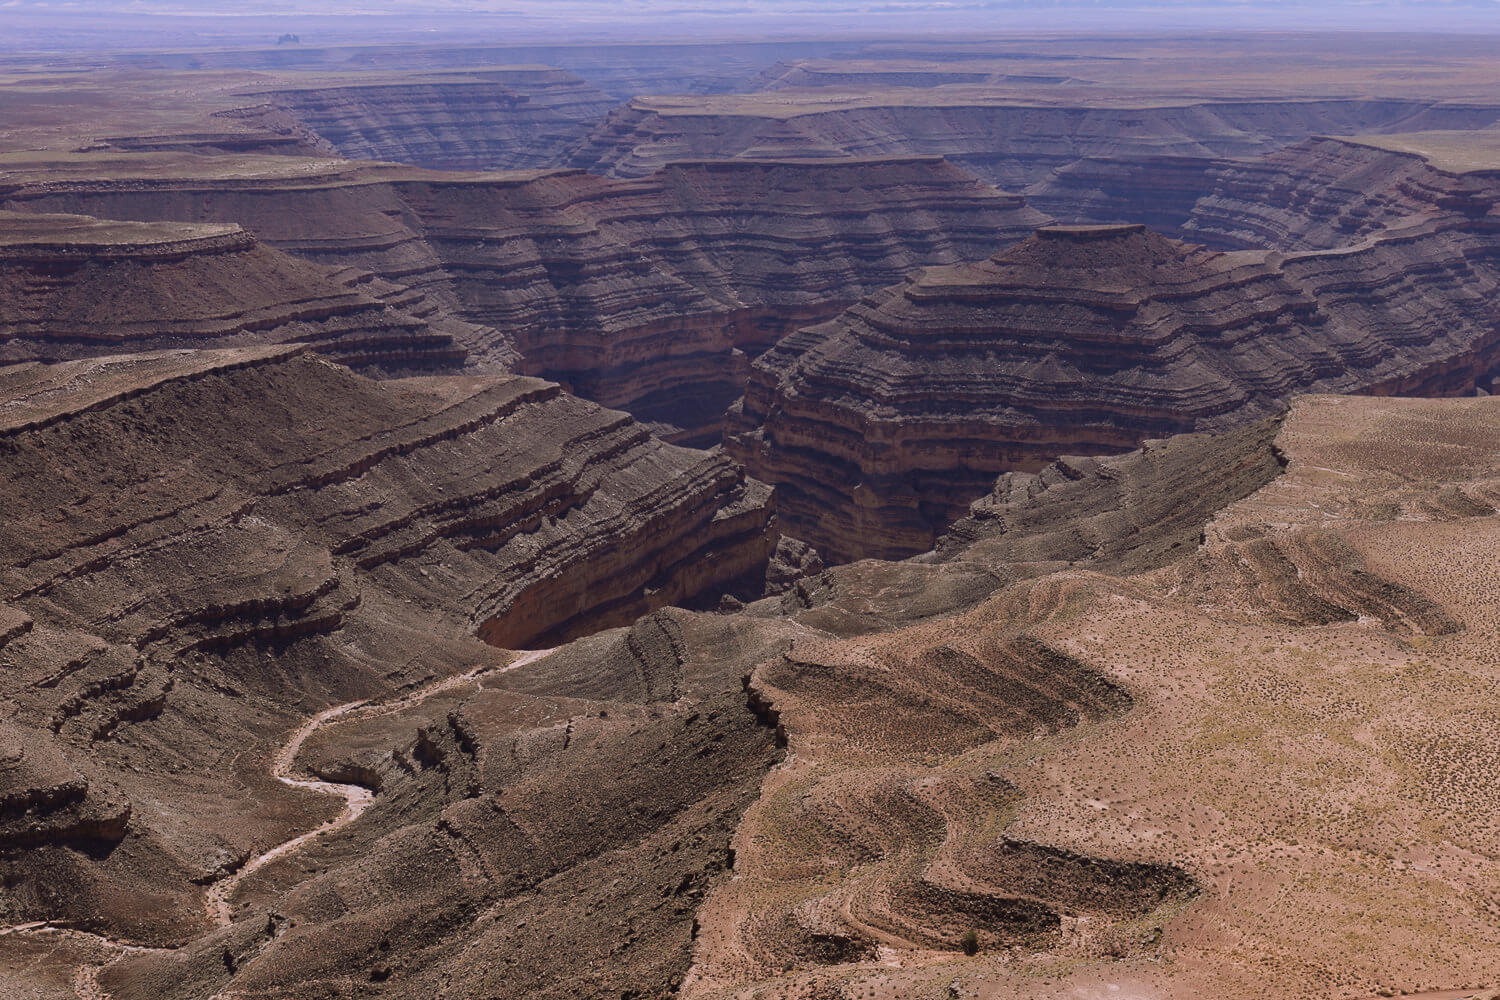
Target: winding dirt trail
{"x":356,"y":798}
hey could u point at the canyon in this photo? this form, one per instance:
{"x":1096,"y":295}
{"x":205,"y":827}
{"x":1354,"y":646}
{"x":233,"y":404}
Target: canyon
{"x":878,"y":427}
{"x":793,"y":519}
{"x":647,"y":295}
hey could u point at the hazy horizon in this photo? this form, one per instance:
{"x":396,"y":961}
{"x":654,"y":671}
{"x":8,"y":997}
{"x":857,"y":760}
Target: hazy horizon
{"x":85,"y":24}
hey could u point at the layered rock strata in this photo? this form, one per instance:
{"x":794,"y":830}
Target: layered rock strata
{"x":881,"y":426}
{"x":1314,"y":195}
{"x":1006,"y":139}
{"x":200,"y":544}
{"x":505,"y":797}
{"x":1327,"y":193}
{"x":73,"y":286}
{"x":652,"y":295}
{"x":622,"y":799}
{"x":649,"y":295}
{"x":903,"y":817}
{"x":505,"y":118}
{"x":1119,"y":514}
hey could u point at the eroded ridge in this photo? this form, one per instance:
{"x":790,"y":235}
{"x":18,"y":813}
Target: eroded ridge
{"x":649,"y":295}
{"x":880,"y":842}
{"x":256,"y":534}
{"x":1103,"y":776}
{"x":74,"y":286}
{"x":880,"y":426}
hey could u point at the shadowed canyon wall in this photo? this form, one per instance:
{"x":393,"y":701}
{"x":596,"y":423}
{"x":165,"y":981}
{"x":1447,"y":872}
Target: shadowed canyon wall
{"x":508,"y":118}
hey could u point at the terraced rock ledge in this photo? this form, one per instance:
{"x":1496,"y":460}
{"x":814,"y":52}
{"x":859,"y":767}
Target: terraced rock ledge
{"x":879,"y":427}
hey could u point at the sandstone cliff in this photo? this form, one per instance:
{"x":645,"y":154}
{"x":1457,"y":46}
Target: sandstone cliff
{"x":879,"y":427}
{"x":1314,"y":195}
{"x":1327,"y":193}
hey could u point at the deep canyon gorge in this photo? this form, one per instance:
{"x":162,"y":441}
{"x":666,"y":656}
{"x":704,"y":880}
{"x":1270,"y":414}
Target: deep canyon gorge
{"x":941,"y":517}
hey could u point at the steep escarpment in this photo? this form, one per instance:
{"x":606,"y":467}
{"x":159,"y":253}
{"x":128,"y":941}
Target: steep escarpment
{"x":651,"y":294}
{"x":648,"y":294}
{"x":73,"y":286}
{"x":880,"y":427}
{"x":608,"y":778}
{"x":504,"y":118}
{"x":340,"y":213}
{"x":953,"y":781}
{"x":1002,"y":137}
{"x":1314,"y":195}
{"x":1327,"y":193}
{"x":1119,"y":513}
{"x":255,"y":531}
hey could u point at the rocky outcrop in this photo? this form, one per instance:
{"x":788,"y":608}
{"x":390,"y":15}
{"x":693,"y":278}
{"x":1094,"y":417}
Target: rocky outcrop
{"x":505,"y":118}
{"x":881,"y":426}
{"x":252,"y":529}
{"x":1120,"y":513}
{"x":706,"y":803}
{"x":43,"y":800}
{"x":906,"y":813}
{"x":73,"y":286}
{"x":564,"y":463}
{"x":650,"y":295}
{"x":1006,"y":139}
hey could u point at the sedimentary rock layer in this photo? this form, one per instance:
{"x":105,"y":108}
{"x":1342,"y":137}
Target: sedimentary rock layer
{"x":882,"y":425}
{"x":1327,"y":193}
{"x":906,"y":814}
{"x":1314,"y":195}
{"x":606,"y":778}
{"x":622,"y":799}
{"x":73,"y":286}
{"x":1120,"y":513}
{"x":497,"y":119}
{"x":647,"y":294}
{"x":253,"y":530}
{"x":1003,"y":138}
